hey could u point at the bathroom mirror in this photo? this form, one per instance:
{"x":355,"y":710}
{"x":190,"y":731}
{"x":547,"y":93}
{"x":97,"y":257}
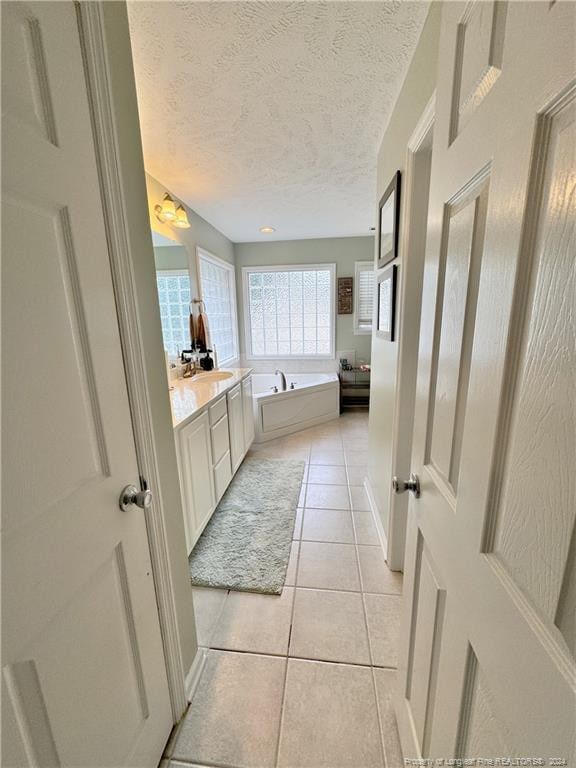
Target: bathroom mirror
{"x":173,"y":283}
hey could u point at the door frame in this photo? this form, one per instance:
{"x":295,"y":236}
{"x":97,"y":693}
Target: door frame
{"x":96,"y":67}
{"x":412,"y":249}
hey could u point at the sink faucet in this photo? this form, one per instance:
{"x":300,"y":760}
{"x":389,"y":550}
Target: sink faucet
{"x":282,"y":379}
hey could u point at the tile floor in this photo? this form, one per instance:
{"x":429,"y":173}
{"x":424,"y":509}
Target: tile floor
{"x":303,"y":680}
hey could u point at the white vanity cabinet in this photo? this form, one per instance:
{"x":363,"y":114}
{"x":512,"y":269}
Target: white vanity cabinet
{"x":219,"y":431}
{"x":236,"y":425}
{"x":248,"y":412}
{"x":210,"y":448}
{"x":196,"y":476}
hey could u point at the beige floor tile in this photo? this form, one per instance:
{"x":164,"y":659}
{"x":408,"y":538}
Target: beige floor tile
{"x":357,"y":458}
{"x":295,"y":454}
{"x":356,"y":444}
{"x":334,"y":525}
{"x":292,"y":565}
{"x":383,"y":617}
{"x":298,"y":523}
{"x":359,"y":498}
{"x":177,"y":764}
{"x":385,"y":680}
{"x":356,"y":475}
{"x":329,"y":718}
{"x":333,"y":443}
{"x":365,"y":529}
{"x":328,"y":458}
{"x":328,"y":566}
{"x":327,"y":429}
{"x":322,"y":475}
{"x":302,"y":498}
{"x":235,"y":712}
{"x":376,"y":576}
{"x":207,"y":607}
{"x":329,"y":626}
{"x":327,"y":497}
{"x":268,"y":453}
{"x":255,"y":623}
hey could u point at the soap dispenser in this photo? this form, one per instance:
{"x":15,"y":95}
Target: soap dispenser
{"x":206,"y":362}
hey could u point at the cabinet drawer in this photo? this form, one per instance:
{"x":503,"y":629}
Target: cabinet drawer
{"x":217,"y":410}
{"x":222,"y":475}
{"x":220,"y":439}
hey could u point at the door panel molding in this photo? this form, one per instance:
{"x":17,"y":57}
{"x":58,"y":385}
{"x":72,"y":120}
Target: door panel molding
{"x":94,"y":48}
{"x":478,"y":59}
{"x":24,"y":694}
{"x":523,"y":481}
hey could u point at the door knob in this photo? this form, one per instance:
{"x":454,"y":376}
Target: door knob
{"x":412,"y":485}
{"x":131,"y":495}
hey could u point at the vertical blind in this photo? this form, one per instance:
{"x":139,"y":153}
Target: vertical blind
{"x":218,"y":285}
{"x":290,"y":311}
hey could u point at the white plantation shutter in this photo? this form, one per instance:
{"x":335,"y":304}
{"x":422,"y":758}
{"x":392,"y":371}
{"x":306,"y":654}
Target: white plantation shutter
{"x":290,"y":311}
{"x":364,"y":297}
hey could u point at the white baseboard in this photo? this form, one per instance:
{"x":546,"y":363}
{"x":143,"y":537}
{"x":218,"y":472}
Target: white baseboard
{"x":376,"y":516}
{"x":194,"y":673}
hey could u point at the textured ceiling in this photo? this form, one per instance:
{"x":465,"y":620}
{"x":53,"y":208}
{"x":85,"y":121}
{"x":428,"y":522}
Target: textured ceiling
{"x":271,"y":113}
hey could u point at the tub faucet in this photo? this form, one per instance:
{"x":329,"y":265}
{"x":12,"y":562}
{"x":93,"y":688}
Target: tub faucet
{"x":282,"y":379}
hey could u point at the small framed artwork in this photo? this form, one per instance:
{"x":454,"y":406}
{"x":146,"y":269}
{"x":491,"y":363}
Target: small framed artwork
{"x":389,"y":222}
{"x":385,"y":326}
{"x":345,"y":294}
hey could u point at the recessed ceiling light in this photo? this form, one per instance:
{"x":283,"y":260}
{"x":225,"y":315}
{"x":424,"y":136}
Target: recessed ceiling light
{"x":267,"y":230}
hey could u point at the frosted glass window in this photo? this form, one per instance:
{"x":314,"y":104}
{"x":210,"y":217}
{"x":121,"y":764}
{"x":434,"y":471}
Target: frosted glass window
{"x":290,"y":311}
{"x":364,"y":292}
{"x":174,"y":297}
{"x":218,"y":291}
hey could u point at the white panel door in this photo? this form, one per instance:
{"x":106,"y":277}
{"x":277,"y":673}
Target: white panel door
{"x":487,"y":660}
{"x":236,"y":424}
{"x":83,"y":675}
{"x":248,"y":412}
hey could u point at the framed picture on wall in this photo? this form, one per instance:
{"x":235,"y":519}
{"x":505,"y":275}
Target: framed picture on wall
{"x":386,"y":322}
{"x":389,"y":222}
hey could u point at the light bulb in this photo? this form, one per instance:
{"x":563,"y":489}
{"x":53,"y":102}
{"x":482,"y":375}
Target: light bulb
{"x":181,"y":220}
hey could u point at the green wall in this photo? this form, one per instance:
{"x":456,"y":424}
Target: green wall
{"x":342,"y":251}
{"x":171,"y":257}
{"x":413,"y":98}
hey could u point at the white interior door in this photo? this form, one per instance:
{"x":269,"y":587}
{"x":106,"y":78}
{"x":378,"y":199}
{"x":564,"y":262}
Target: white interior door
{"x":84,"y":681}
{"x":416,"y":188}
{"x":488,"y":643}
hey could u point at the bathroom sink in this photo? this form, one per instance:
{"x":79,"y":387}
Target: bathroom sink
{"x":213,"y":376}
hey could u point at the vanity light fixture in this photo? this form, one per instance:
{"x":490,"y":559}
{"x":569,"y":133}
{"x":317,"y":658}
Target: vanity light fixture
{"x":166,"y":211}
{"x":181,"y":220}
{"x":267,"y":230}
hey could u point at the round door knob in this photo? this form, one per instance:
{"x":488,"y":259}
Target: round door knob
{"x":412,"y":485}
{"x":131,"y":495}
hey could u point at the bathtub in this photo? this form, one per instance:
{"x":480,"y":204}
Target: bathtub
{"x":314,"y":399}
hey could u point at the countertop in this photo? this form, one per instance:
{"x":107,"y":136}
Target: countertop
{"x":191,"y":396}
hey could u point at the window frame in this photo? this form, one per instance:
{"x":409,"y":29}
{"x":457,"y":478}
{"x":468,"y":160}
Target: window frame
{"x":331,"y":267}
{"x":176,"y":272}
{"x":202,"y":253}
{"x":362,"y":266}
